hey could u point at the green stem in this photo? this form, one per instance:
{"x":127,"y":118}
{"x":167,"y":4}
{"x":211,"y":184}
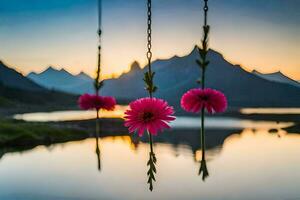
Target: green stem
{"x":203,"y":78}
{"x":151,"y":142}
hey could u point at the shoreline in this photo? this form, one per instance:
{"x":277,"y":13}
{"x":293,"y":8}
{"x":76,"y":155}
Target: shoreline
{"x":18,"y":135}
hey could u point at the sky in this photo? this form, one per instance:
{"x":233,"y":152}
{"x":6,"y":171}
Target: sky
{"x":259,"y":34}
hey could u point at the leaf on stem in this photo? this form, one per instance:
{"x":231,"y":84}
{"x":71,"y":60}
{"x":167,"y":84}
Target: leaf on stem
{"x":152,"y":170}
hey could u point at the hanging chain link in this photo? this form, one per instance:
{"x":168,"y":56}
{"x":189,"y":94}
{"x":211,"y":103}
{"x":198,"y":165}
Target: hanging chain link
{"x":205,"y":8}
{"x":149,"y":32}
{"x":148,"y":78}
{"x":98,"y":82}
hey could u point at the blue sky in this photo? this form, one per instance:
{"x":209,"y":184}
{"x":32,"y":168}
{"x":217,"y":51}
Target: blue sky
{"x":258,"y":34}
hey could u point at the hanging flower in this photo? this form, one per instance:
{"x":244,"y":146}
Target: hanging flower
{"x":212,"y":100}
{"x":88,"y":101}
{"x":85,"y":102}
{"x":150,"y":114}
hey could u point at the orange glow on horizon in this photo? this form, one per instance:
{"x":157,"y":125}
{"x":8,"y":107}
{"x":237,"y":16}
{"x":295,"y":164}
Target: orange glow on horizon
{"x":263,"y":65}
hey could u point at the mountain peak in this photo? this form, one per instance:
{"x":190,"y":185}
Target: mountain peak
{"x":83,"y":75}
{"x":277,"y":77}
{"x":32,"y":74}
{"x":135,"y":66}
{"x":63,"y":70}
{"x":49,"y":69}
{"x":277,"y":73}
{"x":194,"y":52}
{"x":52,"y":70}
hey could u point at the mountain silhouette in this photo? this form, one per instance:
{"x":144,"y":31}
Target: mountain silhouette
{"x":62,"y":80}
{"x":17,"y":91}
{"x":177,"y":75}
{"x":128,"y":86}
{"x":11,"y":78}
{"x":277,"y":77}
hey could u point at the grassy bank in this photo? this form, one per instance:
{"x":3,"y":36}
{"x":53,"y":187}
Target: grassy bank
{"x":19,"y":133}
{"x":16,"y":136}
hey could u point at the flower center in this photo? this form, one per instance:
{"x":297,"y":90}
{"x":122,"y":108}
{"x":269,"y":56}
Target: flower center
{"x":148,"y":116}
{"x":98,"y":104}
{"x":204,"y":98}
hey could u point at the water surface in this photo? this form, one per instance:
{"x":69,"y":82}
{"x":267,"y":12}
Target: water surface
{"x":247,"y":165}
{"x":181,"y":122}
{"x":70,"y":115}
{"x":246,"y":160}
{"x":276,"y":111}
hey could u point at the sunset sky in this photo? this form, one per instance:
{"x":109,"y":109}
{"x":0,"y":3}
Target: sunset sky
{"x":258,"y":34}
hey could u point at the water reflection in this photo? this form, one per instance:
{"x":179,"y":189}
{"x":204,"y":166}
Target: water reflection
{"x":261,"y":161}
{"x":203,"y":169}
{"x":270,"y":111}
{"x":222,"y":123}
{"x":98,"y":154}
{"x":258,"y":165}
{"x":97,"y":136}
{"x":181,"y":122}
{"x":70,"y":115}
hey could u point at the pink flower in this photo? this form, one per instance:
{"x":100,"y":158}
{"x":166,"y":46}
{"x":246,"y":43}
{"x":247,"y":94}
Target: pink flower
{"x":85,"y":102}
{"x":109,"y":103}
{"x":149,"y":114}
{"x":212,"y":100}
{"x":88,"y":101}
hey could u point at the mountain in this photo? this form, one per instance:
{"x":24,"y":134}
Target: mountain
{"x":62,"y":80}
{"x":11,"y":78}
{"x":18,"y":92}
{"x":128,"y":86}
{"x":84,"y":76}
{"x":277,"y":77}
{"x":176,"y":75}
{"x":26,"y":100}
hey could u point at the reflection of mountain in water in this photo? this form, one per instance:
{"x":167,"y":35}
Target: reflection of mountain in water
{"x":191,"y":138}
{"x":177,"y":138}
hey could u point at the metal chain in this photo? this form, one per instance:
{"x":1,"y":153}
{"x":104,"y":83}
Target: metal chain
{"x":205,"y":8}
{"x":149,"y":37}
{"x":97,"y":79}
{"x":149,"y":30}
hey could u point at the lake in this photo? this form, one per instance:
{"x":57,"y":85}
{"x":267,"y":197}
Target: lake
{"x":245,"y":160}
{"x":181,"y":122}
{"x":249,"y":165}
{"x":119,"y":113}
